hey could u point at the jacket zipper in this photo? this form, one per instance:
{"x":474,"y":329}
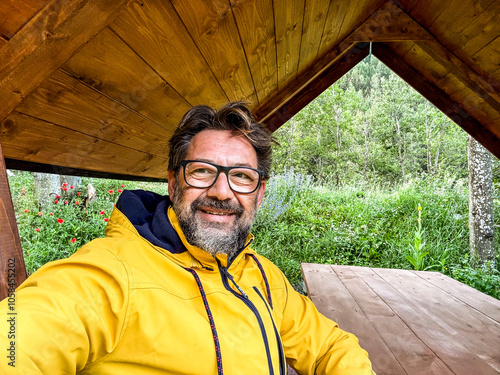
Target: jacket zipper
{"x":244,"y":297}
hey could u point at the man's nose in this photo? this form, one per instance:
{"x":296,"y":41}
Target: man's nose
{"x":221,"y":189}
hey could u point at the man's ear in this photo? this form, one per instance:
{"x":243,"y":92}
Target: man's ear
{"x":260,"y":193}
{"x":171,"y":183}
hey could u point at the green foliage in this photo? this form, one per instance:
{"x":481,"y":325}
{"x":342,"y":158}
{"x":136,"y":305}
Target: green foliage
{"x":368,"y":227}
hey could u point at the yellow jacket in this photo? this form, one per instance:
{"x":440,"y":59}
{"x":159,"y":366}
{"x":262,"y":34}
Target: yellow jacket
{"x":121,"y":305}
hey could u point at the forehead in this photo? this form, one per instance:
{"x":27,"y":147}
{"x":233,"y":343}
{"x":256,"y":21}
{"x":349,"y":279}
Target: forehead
{"x":223,"y":148}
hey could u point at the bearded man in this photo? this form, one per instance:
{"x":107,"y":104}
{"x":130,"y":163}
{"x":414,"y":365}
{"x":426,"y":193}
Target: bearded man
{"x":174,"y":287}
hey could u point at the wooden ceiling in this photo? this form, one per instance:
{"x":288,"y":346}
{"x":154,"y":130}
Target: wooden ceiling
{"x":97,"y":87}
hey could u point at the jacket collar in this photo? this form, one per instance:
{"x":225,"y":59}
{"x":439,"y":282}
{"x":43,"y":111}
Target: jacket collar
{"x":152,"y":217}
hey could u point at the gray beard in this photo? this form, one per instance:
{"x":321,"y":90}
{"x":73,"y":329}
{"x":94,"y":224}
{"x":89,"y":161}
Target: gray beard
{"x":214,"y":238}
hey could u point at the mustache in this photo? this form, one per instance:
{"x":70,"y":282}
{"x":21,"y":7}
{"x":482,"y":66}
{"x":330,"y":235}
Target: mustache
{"x":216,"y":204}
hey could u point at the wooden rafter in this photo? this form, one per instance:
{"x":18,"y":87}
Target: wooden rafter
{"x":484,"y":134}
{"x":46,"y":42}
{"x":11,"y":253}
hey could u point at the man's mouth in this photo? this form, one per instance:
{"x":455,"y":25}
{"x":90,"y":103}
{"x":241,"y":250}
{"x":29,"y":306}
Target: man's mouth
{"x":219,"y":213}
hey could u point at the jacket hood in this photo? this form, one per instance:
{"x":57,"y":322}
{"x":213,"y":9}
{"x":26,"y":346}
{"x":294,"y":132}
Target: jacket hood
{"x":148,"y":213}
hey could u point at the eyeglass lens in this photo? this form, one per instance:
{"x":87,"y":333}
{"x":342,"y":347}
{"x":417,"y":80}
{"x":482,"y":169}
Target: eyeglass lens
{"x":203,"y":175}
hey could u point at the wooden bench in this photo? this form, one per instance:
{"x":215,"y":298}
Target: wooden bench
{"x":410,"y":322}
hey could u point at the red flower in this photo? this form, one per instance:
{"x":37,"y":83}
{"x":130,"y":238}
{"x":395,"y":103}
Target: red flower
{"x":102,"y":212}
{"x":65,"y":184}
{"x":56,"y":201}
{"x":26,"y":211}
{"x":40,"y":213}
{"x":78,"y":193}
{"x":65,"y":202}
{"x":123,"y":186}
{"x":106,"y":219}
{"x":60,"y":221}
{"x":119,"y":190}
{"x":65,"y":188}
{"x":73,"y":240}
{"x":71,"y":187}
{"x":37,"y":229}
{"x":51,"y":214}
{"x":58,"y":196}
{"x":110,"y":191}
{"x":77,"y":203}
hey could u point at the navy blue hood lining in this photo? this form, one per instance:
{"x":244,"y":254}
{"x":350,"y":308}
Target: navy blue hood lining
{"x":148,"y":213}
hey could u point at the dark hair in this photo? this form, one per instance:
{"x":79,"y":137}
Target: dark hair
{"x":234,"y":117}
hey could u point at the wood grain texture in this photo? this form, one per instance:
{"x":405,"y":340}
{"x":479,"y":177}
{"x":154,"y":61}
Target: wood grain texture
{"x":315,"y":16}
{"x":422,"y":319}
{"x":163,"y":42}
{"x":11,"y":252}
{"x":487,"y":132}
{"x":213,"y":29}
{"x":34,"y":140}
{"x":256,"y":29}
{"x":108,"y":65}
{"x":69,"y":103}
{"x":44,"y":55}
{"x":288,"y":16}
{"x":15,"y":14}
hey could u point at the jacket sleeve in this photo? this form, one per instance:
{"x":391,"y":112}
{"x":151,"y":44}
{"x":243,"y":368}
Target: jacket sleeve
{"x":314,"y":344}
{"x":67,"y":314}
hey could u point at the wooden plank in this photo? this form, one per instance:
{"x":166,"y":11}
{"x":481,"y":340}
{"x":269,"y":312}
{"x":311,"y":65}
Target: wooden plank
{"x":213,"y":29}
{"x":320,"y":83}
{"x":315,"y":15}
{"x":456,"y":17}
{"x":485,"y":133}
{"x":41,"y":56}
{"x":428,"y":327}
{"x":33,"y":140}
{"x":256,"y":29}
{"x":488,"y":57}
{"x":411,"y":353}
{"x":272,"y":106}
{"x":15,"y":14}
{"x":12,"y":268}
{"x":425,"y":12}
{"x":465,"y":74}
{"x":481,"y":302}
{"x":333,"y":25}
{"x":288,"y":24}
{"x":155,"y":32}
{"x":334,"y":301}
{"x":477,"y":333}
{"x":2,"y":42}
{"x":389,"y":24}
{"x":106,"y":60}
{"x":65,"y":101}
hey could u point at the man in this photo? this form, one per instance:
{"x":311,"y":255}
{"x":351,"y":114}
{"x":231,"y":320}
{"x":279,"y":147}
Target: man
{"x":174,"y":287}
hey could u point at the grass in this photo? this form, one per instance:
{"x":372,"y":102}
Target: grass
{"x":299,"y":221}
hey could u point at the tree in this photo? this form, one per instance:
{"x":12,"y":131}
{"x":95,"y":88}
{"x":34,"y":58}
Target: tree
{"x":481,"y":225}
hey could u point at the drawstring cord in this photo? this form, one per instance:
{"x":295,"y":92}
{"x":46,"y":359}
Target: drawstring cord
{"x":211,"y":320}
{"x":264,"y":277}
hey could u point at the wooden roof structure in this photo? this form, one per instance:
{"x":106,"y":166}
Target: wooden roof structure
{"x":96,"y":87}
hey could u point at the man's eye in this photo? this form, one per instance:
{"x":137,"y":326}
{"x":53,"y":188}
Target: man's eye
{"x":201,"y":171}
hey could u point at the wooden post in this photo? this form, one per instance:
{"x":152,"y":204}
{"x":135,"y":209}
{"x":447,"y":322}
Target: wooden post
{"x":12,"y":268}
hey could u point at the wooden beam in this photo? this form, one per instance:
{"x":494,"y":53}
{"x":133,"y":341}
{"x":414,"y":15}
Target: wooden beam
{"x":389,"y":24}
{"x":12,"y":269}
{"x":316,"y":86}
{"x":46,"y":42}
{"x":484,"y":133}
{"x":23,"y":165}
{"x":272,"y":106}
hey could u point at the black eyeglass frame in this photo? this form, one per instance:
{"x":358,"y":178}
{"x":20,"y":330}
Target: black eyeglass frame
{"x":220,"y":169}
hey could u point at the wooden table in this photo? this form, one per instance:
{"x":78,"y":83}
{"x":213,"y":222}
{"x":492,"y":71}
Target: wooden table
{"x":410,"y":322}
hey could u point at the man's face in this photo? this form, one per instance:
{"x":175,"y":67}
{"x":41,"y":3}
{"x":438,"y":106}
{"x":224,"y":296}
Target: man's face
{"x":216,"y":219}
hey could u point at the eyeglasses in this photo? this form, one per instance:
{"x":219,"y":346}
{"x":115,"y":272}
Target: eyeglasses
{"x":202,"y":174}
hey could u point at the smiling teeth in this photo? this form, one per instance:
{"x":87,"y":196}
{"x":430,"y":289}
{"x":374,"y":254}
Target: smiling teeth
{"x":217,"y":213}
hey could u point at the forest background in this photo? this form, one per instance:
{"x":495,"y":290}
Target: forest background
{"x":369,"y":174}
